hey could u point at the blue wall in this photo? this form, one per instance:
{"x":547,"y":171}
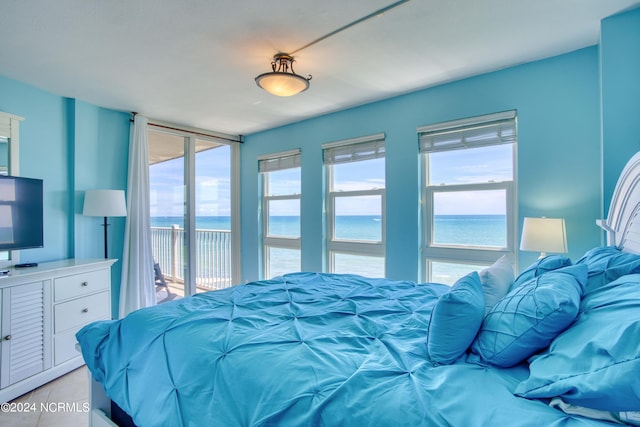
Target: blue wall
{"x":557,"y":101}
{"x":620,"y":74}
{"x":101,"y":153}
{"x":72,"y":146}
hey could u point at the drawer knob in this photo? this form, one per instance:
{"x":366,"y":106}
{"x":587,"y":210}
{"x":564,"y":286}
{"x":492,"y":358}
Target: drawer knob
{"x":85,"y":310}
{"x":7,"y":338}
{"x":85,"y":284}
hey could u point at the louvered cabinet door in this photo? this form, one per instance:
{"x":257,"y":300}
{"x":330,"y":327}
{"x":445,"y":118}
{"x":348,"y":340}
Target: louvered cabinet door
{"x":26,"y":331}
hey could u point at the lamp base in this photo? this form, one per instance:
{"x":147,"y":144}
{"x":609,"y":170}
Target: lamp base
{"x":105,"y":225}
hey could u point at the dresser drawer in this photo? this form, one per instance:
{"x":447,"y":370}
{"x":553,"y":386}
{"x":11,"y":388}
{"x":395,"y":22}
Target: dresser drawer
{"x":80,"y":284}
{"x":79,"y":312}
{"x":64,"y":346}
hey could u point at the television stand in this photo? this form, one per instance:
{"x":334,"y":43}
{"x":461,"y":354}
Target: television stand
{"x":45,"y":306}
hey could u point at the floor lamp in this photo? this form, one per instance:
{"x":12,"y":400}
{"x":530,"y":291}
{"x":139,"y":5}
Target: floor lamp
{"x":104,"y":203}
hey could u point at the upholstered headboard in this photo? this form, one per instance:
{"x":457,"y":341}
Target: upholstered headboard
{"x":623,"y":222}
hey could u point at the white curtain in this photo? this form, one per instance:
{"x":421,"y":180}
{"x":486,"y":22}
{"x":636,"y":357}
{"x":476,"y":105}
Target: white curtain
{"x":137,"y":288}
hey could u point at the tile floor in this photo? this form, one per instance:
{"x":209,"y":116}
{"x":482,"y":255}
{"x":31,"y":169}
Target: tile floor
{"x":62,"y":402}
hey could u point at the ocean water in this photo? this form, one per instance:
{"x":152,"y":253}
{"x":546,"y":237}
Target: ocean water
{"x":475,"y":230}
{"x":202,"y":222}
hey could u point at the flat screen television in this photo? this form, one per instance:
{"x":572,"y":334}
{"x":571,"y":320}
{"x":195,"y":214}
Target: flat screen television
{"x":21,"y":213}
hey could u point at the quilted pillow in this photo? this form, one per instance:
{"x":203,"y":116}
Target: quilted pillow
{"x":455,"y":320}
{"x":541,"y":266}
{"x":594,"y":363}
{"x":607,"y":263}
{"x":530,"y":316}
{"x":496,"y":281}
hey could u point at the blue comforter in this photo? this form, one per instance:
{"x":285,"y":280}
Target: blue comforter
{"x":305,"y":349}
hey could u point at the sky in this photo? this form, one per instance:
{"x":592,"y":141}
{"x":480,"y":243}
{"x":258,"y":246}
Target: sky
{"x":213,"y":184}
{"x":471,"y":166}
{"x":213,"y":194}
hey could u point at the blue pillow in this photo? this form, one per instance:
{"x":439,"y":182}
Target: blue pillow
{"x":455,"y":320}
{"x":530,"y":316}
{"x":541,"y":266}
{"x":595,"y":363}
{"x":607,"y":263}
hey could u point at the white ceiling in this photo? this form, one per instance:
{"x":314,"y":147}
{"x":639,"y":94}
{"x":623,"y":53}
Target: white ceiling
{"x":193,"y":62}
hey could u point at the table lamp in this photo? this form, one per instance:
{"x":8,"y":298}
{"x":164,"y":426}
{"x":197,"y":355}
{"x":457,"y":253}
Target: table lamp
{"x":544,"y":235}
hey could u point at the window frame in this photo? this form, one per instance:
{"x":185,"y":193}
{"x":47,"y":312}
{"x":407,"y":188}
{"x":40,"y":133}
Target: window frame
{"x":280,"y":161}
{"x":355,"y":247}
{"x":465,"y":254}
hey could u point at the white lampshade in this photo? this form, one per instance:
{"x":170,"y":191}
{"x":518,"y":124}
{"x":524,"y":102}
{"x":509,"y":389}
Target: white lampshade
{"x":104,"y":203}
{"x":544,"y":235}
{"x":282,"y":84}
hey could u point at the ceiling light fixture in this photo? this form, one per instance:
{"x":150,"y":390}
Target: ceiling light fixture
{"x":283,"y":80}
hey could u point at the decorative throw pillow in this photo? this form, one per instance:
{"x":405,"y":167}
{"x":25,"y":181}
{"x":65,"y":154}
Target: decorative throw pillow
{"x":530,"y":316}
{"x":607,"y":263}
{"x":594,"y":363}
{"x":496,"y":281}
{"x":541,"y":266}
{"x":455,"y":320}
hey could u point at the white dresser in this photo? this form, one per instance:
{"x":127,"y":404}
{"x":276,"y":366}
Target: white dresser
{"x":42,"y":308}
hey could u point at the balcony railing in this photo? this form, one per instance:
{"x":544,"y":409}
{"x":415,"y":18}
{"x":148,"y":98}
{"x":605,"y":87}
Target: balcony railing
{"x":213,"y":248}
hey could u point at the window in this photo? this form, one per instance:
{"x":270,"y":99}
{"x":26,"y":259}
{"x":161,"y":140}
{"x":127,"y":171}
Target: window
{"x":280,"y":219}
{"x":355,"y":206}
{"x":4,"y":170}
{"x":192,"y":201}
{"x":468,"y":197}
{"x":9,"y":164}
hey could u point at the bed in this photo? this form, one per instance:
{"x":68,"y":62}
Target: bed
{"x":556,"y":345}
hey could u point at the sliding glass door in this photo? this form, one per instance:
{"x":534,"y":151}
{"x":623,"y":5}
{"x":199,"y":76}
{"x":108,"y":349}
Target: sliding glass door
{"x":212,"y":216}
{"x":191,"y":198}
{"x":168,"y":213}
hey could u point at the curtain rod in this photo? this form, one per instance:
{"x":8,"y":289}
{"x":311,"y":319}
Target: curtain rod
{"x":197,"y":133}
{"x":194,"y":132}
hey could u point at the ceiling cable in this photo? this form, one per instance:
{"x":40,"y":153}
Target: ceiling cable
{"x":351,"y":24}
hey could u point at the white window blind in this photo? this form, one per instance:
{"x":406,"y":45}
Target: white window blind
{"x":8,"y":124}
{"x":354,"y":150}
{"x":281,"y":161}
{"x":5,"y":126}
{"x":492,"y":129}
